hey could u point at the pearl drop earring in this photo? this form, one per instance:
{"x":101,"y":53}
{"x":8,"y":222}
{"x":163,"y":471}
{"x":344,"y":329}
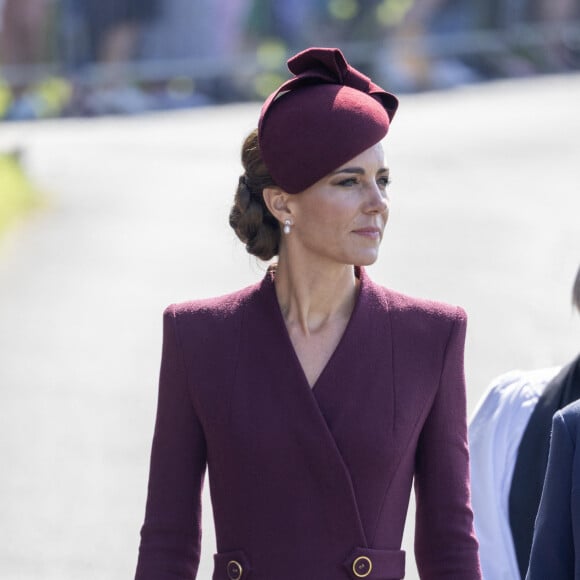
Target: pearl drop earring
{"x":287,"y":225}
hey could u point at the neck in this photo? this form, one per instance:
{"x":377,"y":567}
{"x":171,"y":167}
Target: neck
{"x":311,"y":297}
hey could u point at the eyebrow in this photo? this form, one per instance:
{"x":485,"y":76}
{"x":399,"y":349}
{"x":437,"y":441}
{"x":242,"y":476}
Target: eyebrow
{"x":358,"y":170}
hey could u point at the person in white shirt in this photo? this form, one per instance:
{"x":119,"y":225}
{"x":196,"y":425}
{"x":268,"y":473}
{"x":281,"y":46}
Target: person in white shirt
{"x":509,"y":436}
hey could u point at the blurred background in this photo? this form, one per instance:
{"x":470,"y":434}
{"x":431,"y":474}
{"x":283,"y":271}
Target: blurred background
{"x":95,"y":57}
{"x":119,"y":156}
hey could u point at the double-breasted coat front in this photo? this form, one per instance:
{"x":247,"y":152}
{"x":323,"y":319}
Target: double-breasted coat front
{"x":310,"y":483}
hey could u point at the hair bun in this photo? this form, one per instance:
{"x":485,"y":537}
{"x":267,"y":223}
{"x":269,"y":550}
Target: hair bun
{"x":249,"y":217}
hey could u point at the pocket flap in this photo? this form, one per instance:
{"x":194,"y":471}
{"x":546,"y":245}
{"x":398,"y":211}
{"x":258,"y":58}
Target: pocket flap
{"x":376,"y":564}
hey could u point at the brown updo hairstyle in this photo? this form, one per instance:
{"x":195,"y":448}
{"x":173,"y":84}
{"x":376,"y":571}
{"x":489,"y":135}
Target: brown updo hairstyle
{"x":249,"y":216}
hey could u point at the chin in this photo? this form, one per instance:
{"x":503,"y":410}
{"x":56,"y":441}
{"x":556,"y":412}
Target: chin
{"x":366,"y":260}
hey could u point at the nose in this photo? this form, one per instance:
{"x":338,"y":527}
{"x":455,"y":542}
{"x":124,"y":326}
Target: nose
{"x":378,"y":199}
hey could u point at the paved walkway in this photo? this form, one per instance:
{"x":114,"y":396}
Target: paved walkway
{"x":485,"y":214}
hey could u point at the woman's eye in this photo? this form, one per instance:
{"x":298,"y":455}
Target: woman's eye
{"x":384,"y":181}
{"x":349,"y":182}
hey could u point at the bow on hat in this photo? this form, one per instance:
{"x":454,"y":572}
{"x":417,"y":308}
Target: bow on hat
{"x":328,"y":65}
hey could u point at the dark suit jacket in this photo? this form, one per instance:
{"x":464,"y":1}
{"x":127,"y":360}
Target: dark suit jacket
{"x":310,"y":484}
{"x":556,"y":544}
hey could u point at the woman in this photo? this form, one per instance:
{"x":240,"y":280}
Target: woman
{"x":555,"y":549}
{"x":316,"y":395}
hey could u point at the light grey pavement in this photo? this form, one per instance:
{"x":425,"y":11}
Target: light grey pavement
{"x":485,"y":213}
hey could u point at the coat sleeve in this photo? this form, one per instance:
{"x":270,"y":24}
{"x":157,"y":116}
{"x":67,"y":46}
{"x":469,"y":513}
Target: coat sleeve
{"x":445,"y":543}
{"x":171,"y":533}
{"x":552,"y":554}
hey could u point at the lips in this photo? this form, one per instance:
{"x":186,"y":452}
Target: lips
{"x":371,"y":232}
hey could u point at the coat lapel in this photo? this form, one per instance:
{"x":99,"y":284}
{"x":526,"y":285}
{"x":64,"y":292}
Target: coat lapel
{"x":355,"y":394}
{"x":282,"y":405}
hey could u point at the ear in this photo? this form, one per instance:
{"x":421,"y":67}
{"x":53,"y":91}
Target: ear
{"x":276,"y":201}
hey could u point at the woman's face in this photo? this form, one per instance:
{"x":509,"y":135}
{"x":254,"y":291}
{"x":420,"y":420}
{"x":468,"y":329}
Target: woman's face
{"x":341,"y":218}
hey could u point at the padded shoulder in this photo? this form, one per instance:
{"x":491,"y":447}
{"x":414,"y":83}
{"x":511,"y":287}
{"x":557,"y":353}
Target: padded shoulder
{"x":420,"y":312}
{"x":208,"y":310}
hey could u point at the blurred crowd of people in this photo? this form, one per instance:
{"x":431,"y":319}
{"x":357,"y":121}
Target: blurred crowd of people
{"x":94,"y":57}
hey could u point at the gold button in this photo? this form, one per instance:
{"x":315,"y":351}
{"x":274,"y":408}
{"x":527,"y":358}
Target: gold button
{"x":235,"y":570}
{"x":362,"y":567}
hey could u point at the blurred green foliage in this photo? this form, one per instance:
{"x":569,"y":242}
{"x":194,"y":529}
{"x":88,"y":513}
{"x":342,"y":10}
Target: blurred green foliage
{"x":17,"y":194}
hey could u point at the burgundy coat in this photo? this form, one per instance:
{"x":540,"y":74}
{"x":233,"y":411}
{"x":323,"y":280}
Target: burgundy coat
{"x":310,"y":484}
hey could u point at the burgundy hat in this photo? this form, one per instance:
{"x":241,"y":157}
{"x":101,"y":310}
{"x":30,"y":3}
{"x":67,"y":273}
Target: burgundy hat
{"x":323,"y":117}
